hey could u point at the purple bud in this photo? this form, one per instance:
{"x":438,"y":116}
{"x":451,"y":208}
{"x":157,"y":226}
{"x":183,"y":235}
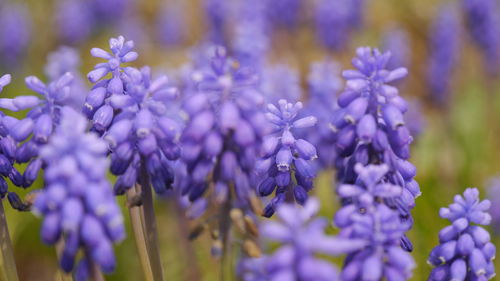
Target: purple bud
{"x":305,"y":149}
{"x":267,"y":186}
{"x":366,"y":128}
{"x":392,"y":116}
{"x":43,"y":128}
{"x":22,"y":129}
{"x":94,"y":99}
{"x":229,"y":116}
{"x":284,"y":159}
{"x":356,"y":110}
{"x":51,"y":228}
{"x":300,"y":194}
{"x":103,"y":117}
{"x":305,"y":122}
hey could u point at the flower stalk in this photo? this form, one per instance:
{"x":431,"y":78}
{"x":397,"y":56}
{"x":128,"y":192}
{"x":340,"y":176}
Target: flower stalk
{"x":8,"y":271}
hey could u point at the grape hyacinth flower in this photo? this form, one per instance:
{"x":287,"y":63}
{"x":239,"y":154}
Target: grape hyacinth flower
{"x":286,"y":158}
{"x":444,"y":46}
{"x":336,"y":20}
{"x":483,"y":20}
{"x":280,"y":81}
{"x":66,"y":59}
{"x":110,"y":11}
{"x":222,"y":136}
{"x":40,"y":122}
{"x":217,"y":14}
{"x":370,"y":128}
{"x":131,"y":110}
{"x":494,"y":197}
{"x":8,"y":148}
{"x":465,"y":251}
{"x":74,"y":20}
{"x":171,"y":25}
{"x":397,"y":42}
{"x":285,"y":13}
{"x":302,"y":237}
{"x":77,"y":202}
{"x":324,"y":84}
{"x":15,"y":33}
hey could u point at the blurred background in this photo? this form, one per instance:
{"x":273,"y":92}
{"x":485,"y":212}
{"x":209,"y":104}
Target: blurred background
{"x":452,"y":85}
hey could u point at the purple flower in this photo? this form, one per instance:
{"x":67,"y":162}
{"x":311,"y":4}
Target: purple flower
{"x":370,"y":128}
{"x":302,"y":238}
{"x":285,"y":13}
{"x":41,"y":120}
{"x":74,"y":20}
{"x":324,"y":84}
{"x":465,"y":251}
{"x":224,"y":130}
{"x":171,"y":24}
{"x":77,"y":203}
{"x":444,"y":46}
{"x":396,"y":41}
{"x":217,"y":16}
{"x":336,"y":20}
{"x":15,"y":32}
{"x":483,"y":20}
{"x":280,"y":81}
{"x":110,"y":11}
{"x":284,"y":157}
{"x":133,"y":113}
{"x":66,"y":59}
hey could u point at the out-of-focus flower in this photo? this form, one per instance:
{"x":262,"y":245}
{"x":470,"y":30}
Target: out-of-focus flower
{"x":132,"y":111}
{"x":217,"y":15}
{"x":251,"y":40}
{"x":336,"y":20}
{"x":415,"y":120}
{"x":110,"y":11}
{"x":171,"y":24}
{"x":483,"y":21}
{"x":324,"y":84}
{"x":280,"y":81}
{"x":39,"y":124}
{"x":66,"y":59}
{"x":370,"y":129}
{"x":285,"y":13}
{"x":77,"y":202}
{"x":15,"y":33}
{"x":494,"y":197}
{"x":74,"y":20}
{"x":302,"y":238}
{"x":444,"y":49}
{"x":397,"y":42}
{"x":286,"y":158}
{"x":465,"y":251}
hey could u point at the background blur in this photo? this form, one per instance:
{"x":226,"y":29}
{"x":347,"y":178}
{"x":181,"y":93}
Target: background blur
{"x":458,"y":146}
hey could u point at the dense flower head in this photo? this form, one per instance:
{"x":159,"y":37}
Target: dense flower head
{"x":15,"y":32}
{"x":323,"y":84}
{"x":483,"y":24}
{"x":280,"y":81}
{"x":35,"y":129}
{"x":224,"y":129}
{"x":301,"y":236}
{"x":444,"y":46}
{"x":370,"y":128}
{"x":77,"y":202}
{"x":465,"y":251}
{"x":381,"y":230}
{"x":336,"y":20}
{"x":286,"y":166}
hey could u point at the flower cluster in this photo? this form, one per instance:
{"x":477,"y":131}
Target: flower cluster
{"x":77,"y":202}
{"x":483,"y":21}
{"x":336,"y":20}
{"x":131,"y":110}
{"x":286,"y":158}
{"x":34,"y":130}
{"x":444,"y":46}
{"x":302,"y":237}
{"x":380,"y":226}
{"x":370,"y":127}
{"x":465,"y":251}
{"x":324,"y":84}
{"x":223,"y":132}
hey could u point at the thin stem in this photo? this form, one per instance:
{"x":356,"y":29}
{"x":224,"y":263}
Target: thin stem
{"x":8,"y":269}
{"x":150,"y":228}
{"x":194,"y":272}
{"x":95,"y":272}
{"x":225,"y":228}
{"x":139,"y":237}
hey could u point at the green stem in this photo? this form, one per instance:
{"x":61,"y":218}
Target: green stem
{"x":150,"y":228}
{"x":139,"y":237}
{"x":8,"y":271}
